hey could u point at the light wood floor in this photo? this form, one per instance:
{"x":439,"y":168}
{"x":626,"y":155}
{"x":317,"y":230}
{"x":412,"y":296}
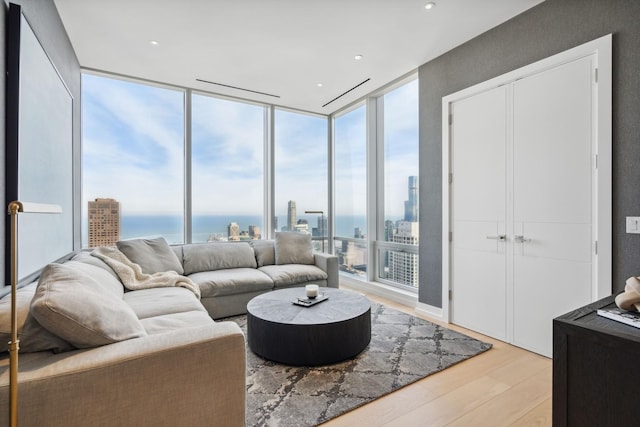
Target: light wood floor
{"x":505,"y":386}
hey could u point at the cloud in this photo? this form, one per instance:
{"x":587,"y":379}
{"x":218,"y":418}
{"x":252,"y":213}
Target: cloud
{"x":226,"y":133}
{"x":133,"y":151}
{"x":351,"y":163}
{"x":301,"y":161}
{"x":133,"y":145}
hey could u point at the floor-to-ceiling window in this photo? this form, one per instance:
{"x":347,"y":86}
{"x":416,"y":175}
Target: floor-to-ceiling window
{"x":300,"y":175}
{"x":136,"y":152}
{"x":132,"y":161}
{"x":375,"y":145}
{"x":350,"y":191}
{"x":398,"y":227}
{"x":136,"y":146}
{"x":227,"y":169}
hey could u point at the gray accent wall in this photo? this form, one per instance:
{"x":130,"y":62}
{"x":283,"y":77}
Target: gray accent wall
{"x":47,"y":25}
{"x":549,"y":28}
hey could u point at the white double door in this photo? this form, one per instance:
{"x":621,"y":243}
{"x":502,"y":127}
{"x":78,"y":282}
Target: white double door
{"x":522,"y":245}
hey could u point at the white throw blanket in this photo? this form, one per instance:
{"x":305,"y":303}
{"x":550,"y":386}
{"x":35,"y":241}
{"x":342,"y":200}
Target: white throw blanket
{"x":132,"y":276}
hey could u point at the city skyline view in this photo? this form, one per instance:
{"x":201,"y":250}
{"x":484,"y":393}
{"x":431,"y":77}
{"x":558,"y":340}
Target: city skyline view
{"x":134,"y":133}
{"x":136,"y":151}
{"x":205,"y":226}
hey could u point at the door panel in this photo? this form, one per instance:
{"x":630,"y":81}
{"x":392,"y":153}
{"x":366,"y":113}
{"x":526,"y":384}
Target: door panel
{"x":479,"y":292}
{"x":552,"y":145}
{"x":563,"y":242}
{"x":521,"y":157}
{"x":545,"y":289}
{"x":478,"y":211}
{"x":552,"y":198}
{"x":479,"y":236}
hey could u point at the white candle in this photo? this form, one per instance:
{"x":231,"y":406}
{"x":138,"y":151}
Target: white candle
{"x":311,"y":290}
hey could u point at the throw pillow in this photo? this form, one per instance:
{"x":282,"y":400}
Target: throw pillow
{"x":293,"y":248}
{"x":265,"y":252}
{"x":33,"y":337}
{"x":152,"y":255}
{"x":72,"y":305}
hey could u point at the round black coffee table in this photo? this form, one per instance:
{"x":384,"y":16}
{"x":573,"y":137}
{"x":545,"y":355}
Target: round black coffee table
{"x":328,"y":332}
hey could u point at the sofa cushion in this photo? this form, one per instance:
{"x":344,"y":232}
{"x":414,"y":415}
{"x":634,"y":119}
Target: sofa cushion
{"x":153,"y":255}
{"x":265,"y":252}
{"x":33,"y":337}
{"x":231,"y":281}
{"x":159,"y":301}
{"x":177,"y":249}
{"x":87,"y":258}
{"x":74,"y":306}
{"x":293,"y":274}
{"x":107,"y":281}
{"x":293,"y":248}
{"x":217,"y":256}
{"x":170,"y":322}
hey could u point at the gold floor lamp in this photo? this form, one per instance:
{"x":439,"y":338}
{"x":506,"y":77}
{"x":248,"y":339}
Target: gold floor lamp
{"x":14,"y":345}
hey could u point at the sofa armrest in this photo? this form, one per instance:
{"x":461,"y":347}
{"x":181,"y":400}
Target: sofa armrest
{"x":193,"y":376}
{"x":329,"y":264}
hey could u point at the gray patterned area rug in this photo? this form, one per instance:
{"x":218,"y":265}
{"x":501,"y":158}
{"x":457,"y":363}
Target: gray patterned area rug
{"x":403,"y":349}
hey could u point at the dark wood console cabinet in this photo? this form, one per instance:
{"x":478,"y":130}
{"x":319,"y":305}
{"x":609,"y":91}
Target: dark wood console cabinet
{"x":596,"y":369}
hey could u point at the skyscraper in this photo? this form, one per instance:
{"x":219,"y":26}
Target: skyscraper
{"x":411,"y":205}
{"x":233,"y":232}
{"x":291,"y":215}
{"x":403,"y":265}
{"x":254,"y":232}
{"x":104,"y":222}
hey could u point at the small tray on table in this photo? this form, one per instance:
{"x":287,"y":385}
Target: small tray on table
{"x":308,"y":302}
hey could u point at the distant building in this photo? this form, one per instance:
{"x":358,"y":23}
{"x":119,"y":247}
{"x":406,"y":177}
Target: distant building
{"x":233,"y":233}
{"x":302,"y":226}
{"x":407,"y":233}
{"x":353,"y":255}
{"x":357,"y":233}
{"x":403,"y":266}
{"x":254,"y":232}
{"x":104,"y":222}
{"x":291,"y":215}
{"x":389,"y":230}
{"x":411,"y":205}
{"x":323,"y":226}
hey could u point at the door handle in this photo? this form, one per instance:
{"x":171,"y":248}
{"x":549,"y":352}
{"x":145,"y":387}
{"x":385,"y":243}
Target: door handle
{"x":521,"y":239}
{"x":498,"y":237}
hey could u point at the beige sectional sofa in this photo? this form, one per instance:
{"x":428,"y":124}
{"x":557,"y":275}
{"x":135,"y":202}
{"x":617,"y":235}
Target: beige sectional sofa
{"x":244,"y":270}
{"x":229,"y":274}
{"x":94,"y":353}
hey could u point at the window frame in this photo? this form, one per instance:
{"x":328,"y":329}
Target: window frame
{"x":380,"y":245}
{"x":334,"y":237}
{"x":329,"y":160}
{"x":375,"y":243}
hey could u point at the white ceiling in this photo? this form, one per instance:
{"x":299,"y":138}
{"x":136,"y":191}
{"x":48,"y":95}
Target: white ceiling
{"x":279,"y":47}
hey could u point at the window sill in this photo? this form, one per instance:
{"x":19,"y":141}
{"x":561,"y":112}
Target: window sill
{"x":400,"y":296}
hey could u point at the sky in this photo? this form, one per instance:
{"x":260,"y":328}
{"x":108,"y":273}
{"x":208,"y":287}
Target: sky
{"x":133,"y":151}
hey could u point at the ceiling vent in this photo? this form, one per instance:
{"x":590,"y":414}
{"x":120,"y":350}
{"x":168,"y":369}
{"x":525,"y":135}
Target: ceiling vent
{"x":237,"y":88}
{"x":343,"y":94}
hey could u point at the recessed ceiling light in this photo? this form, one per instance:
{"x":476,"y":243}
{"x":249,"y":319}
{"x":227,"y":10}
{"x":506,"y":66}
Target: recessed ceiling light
{"x":430,"y":5}
{"x":153,"y":42}
{"x":358,"y":57}
{"x":319,"y":84}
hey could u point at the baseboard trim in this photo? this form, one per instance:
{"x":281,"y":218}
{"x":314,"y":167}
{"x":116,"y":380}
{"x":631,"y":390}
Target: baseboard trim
{"x":431,"y":312}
